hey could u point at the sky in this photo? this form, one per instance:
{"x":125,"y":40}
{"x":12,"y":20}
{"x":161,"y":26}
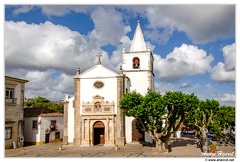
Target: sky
{"x":194,"y":45}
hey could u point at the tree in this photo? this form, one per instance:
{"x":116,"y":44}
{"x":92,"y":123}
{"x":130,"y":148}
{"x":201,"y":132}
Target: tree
{"x":225,"y":118}
{"x":37,"y":102}
{"x":178,"y":107}
{"x":202,"y":117}
{"x":41,"y":102}
{"x":158,"y":115}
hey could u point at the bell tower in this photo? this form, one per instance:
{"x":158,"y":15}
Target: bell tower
{"x":138,"y":64}
{"x":138,"y":67}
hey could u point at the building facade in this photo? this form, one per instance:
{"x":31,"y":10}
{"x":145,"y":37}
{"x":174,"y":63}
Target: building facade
{"x":14,"y":105}
{"x":42,"y":125}
{"x":93,"y":116}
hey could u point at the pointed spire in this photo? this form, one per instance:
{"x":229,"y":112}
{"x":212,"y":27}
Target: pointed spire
{"x":138,"y":43}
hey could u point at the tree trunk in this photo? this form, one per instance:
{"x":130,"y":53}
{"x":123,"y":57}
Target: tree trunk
{"x":204,"y":136}
{"x":160,"y":146}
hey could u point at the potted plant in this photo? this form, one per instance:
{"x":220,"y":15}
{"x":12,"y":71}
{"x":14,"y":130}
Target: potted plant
{"x":212,"y":148}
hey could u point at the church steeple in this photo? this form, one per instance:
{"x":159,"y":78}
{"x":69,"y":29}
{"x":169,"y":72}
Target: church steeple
{"x":138,"y":43}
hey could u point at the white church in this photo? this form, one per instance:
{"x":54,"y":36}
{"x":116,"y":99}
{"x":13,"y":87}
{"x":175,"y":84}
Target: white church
{"x":93,"y":116}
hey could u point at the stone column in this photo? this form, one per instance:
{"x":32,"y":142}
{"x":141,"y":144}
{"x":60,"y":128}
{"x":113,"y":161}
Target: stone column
{"x":77,"y":133}
{"x":120,"y":122}
{"x":65,"y":132}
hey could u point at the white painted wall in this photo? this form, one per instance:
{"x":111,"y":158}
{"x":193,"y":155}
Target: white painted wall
{"x":128,"y":128}
{"x":139,"y":82}
{"x":108,"y":91}
{"x":33,"y":135}
{"x":145,"y":60}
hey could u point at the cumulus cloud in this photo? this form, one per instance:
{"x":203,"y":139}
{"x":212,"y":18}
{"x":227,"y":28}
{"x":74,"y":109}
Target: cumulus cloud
{"x":46,"y":45}
{"x":186,"y":60}
{"x":220,"y":74}
{"x":195,"y":20}
{"x":163,"y":87}
{"x":163,"y":19}
{"x":22,"y":9}
{"x":226,"y":72}
{"x":227,"y":97}
{"x":185,"y":85}
{"x":106,"y":22}
{"x":229,"y":53}
{"x":49,"y":83}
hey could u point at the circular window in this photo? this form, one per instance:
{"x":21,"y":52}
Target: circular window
{"x":98,"y":84}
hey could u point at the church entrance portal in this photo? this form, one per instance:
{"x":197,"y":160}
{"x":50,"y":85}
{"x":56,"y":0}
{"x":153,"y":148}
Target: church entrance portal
{"x":137,"y":135}
{"x":99,"y":133}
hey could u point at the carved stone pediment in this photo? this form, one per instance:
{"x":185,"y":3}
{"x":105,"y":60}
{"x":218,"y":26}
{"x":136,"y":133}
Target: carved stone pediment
{"x":98,"y":106}
{"x":98,"y":97}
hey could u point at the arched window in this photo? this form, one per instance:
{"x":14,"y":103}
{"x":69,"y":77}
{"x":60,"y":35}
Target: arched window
{"x":136,"y":63}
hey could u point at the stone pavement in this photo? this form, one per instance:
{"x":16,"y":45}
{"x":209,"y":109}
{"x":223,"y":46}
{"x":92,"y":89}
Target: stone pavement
{"x":183,"y":147}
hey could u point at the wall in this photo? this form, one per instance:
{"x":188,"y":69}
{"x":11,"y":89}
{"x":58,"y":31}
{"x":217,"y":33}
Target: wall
{"x":37,"y":136}
{"x":14,"y":112}
{"x":108,"y":91}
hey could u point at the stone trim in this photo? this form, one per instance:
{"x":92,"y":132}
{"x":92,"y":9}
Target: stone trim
{"x":65,"y":124}
{"x":120,"y":122}
{"x":77,"y":134}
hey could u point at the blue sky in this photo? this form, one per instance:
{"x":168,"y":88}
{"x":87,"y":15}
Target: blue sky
{"x":193,"y":45}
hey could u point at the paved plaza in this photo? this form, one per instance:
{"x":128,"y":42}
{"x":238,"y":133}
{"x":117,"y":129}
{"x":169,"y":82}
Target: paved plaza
{"x":183,"y":147}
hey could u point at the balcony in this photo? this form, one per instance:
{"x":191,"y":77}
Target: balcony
{"x":11,"y":100}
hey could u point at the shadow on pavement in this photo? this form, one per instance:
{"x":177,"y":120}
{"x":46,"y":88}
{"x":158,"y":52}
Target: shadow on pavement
{"x":182,"y":142}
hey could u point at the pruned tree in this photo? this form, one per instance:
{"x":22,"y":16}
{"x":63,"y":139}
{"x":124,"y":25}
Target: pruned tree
{"x":225,"y":118}
{"x":202,"y":116}
{"x":158,"y":115}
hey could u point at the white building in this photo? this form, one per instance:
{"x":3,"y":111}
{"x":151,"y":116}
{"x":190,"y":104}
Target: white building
{"x":42,"y":125}
{"x":92,"y":116}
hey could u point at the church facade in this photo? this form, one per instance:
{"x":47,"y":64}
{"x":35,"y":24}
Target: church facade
{"x":93,"y":116}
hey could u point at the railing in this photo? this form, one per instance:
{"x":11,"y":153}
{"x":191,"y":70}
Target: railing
{"x":11,"y":100}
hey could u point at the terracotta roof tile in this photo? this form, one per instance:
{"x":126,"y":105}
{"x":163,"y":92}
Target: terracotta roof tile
{"x":34,"y":112}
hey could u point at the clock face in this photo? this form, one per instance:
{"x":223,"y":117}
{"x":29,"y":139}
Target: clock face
{"x":98,"y":84}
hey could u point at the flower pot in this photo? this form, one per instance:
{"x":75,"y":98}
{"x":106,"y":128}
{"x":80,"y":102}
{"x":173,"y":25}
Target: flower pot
{"x":213,"y":150}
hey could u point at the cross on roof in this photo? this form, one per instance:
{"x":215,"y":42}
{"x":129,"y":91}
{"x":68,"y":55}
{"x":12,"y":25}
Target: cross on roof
{"x":99,"y":61}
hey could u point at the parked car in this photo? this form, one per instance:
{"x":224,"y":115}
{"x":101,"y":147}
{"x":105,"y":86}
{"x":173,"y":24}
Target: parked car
{"x":188,"y":133}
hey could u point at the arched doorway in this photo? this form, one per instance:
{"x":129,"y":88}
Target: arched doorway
{"x":137,"y":135}
{"x":99,"y":133}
